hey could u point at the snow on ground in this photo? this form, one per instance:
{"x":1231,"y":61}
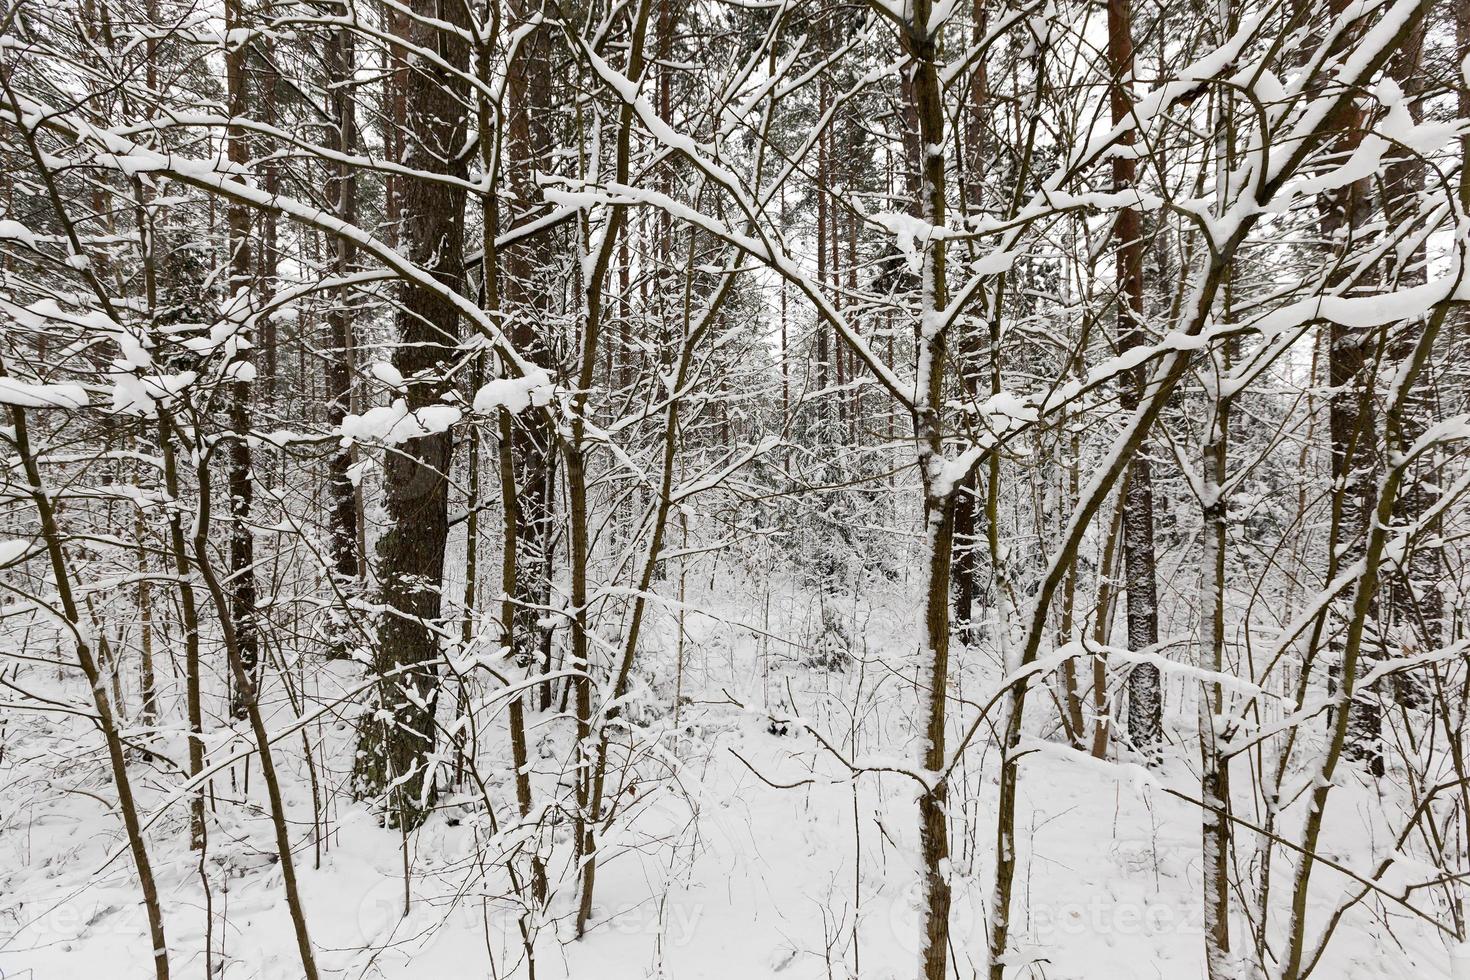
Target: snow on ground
{"x":712,"y":871}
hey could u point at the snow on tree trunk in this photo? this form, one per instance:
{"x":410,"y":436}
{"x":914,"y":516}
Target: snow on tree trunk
{"x":397,"y":746}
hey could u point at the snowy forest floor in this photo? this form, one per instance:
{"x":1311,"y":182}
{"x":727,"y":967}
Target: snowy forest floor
{"x":741,"y":850}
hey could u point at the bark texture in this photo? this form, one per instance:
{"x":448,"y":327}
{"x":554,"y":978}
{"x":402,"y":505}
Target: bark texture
{"x":1145,"y":696}
{"x":398,"y":741}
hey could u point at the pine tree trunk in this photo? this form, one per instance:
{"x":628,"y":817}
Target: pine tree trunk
{"x":1415,"y":597}
{"x":397,"y":744}
{"x":342,"y":495}
{"x":1145,"y":696}
{"x":1350,"y":410}
{"x":242,"y":538}
{"x":526,"y":291}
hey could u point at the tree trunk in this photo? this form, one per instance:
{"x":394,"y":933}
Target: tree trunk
{"x":1415,"y":597}
{"x":526,"y":291}
{"x":242,"y":539}
{"x":397,"y":744}
{"x":247,"y":691}
{"x":188,"y":604}
{"x":1214,"y":765}
{"x":342,"y":495}
{"x":1350,"y":407}
{"x":595,"y":762}
{"x":921,"y":46}
{"x":1145,"y":696}
{"x":106,"y":720}
{"x":1214,"y":771}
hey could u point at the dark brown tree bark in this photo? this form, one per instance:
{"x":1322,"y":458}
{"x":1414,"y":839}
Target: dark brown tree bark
{"x":595,"y":760}
{"x":967,"y":497}
{"x":1350,"y":356}
{"x":1145,"y":696}
{"x":922,"y":48}
{"x":1462,"y":97}
{"x":241,"y":585}
{"x":189,"y":614}
{"x":1416,"y":605}
{"x":342,"y":189}
{"x":397,"y":741}
{"x":528,"y":297}
{"x":247,"y":691}
{"x":268,"y":387}
{"x":824,"y":180}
